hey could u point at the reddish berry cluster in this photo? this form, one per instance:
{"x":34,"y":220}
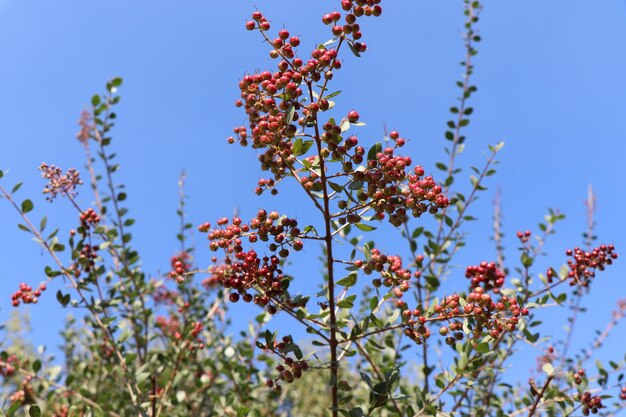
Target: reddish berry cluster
{"x":248,"y":272}
{"x":266,"y":184}
{"x":86,"y":259}
{"x":272,"y":100}
{"x":181,"y":264}
{"x":392,"y":273}
{"x":622,"y":394}
{"x":163,"y":295}
{"x":350,"y":29}
{"x":591,"y":403}
{"x":265,"y":226}
{"x":524,"y":237}
{"x":59,"y":183}
{"x":26,"y":294}
{"x":489,"y":317}
{"x":8,"y":367}
{"x":291,"y":369}
{"x":88,"y":218}
{"x":26,"y":394}
{"x":584,"y":264}
{"x":171,"y":327}
{"x":485,"y":275}
{"x":578,"y":376}
{"x":385,"y":192}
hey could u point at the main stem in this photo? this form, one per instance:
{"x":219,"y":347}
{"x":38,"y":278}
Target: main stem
{"x":328,"y":239}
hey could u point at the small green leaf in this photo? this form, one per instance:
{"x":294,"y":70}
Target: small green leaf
{"x":36,"y":366}
{"x":95,"y":100}
{"x":27,"y":206}
{"x":348,"y":281}
{"x":16,"y":187}
{"x":482,"y":347}
{"x":364,"y":227}
{"x":13,"y":408}
{"x":345,"y":304}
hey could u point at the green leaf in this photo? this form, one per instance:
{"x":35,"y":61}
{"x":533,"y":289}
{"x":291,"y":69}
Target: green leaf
{"x":353,"y":49}
{"x":336,"y":187}
{"x":331,"y":95}
{"x":371,"y":154}
{"x":482,"y":347}
{"x":95,"y":100}
{"x":42,"y":223}
{"x":116,"y":82}
{"x":63,"y":299}
{"x":355,"y":185}
{"x":27,"y":206}
{"x":301,"y":147}
{"x":16,"y":187}
{"x":58,"y":247}
{"x":364,"y":227}
{"x":13,"y":408}
{"x":36,"y":366}
{"x":348,"y":281}
{"x":527,"y":261}
{"x":345,"y":304}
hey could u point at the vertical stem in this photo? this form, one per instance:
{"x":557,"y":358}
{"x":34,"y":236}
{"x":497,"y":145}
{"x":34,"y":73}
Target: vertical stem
{"x":328,"y":239}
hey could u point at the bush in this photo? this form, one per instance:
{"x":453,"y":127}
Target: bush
{"x":386,"y":334}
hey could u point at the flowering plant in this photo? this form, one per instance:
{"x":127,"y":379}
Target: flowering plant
{"x":163,"y":346}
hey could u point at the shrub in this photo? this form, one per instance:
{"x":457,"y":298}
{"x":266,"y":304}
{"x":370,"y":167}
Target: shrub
{"x":385,"y":335}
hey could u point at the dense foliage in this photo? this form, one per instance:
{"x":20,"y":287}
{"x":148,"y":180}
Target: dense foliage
{"x":384,"y":336}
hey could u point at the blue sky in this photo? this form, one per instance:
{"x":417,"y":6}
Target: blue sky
{"x":550,"y":79}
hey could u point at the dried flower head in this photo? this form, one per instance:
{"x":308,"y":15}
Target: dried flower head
{"x":59,"y":183}
{"x":86,"y":127}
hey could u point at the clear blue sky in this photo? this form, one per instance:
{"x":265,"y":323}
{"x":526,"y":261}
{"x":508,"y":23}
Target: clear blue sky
{"x":550,"y":79}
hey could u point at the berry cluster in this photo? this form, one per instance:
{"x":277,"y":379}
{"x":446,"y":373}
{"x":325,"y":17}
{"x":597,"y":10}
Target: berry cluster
{"x":181,"y":264}
{"x":591,"y":403}
{"x":622,"y":394}
{"x":26,"y":294}
{"x":26,"y":395}
{"x":86,"y":259}
{"x":291,"y":369}
{"x":488,"y":317}
{"x":392,"y":274}
{"x":265,"y":226}
{"x":171,"y":327}
{"x":8,"y":367}
{"x":272,"y":100}
{"x":585,"y":263}
{"x":351,"y":30}
{"x":523,"y":237}
{"x":88,"y":218}
{"x":385,"y":192}
{"x":491,"y":315}
{"x":163,"y":295}
{"x":578,"y":376}
{"x":59,"y":183}
{"x":248,"y":272}
{"x":486,"y":275}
